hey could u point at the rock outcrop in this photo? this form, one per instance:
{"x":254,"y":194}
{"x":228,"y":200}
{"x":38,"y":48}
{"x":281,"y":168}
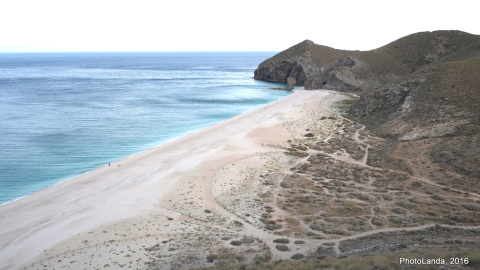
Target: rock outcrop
{"x":315,"y":66}
{"x":281,"y":72}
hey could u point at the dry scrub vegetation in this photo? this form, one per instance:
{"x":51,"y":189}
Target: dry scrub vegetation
{"x":328,"y":188}
{"x":331,"y":192}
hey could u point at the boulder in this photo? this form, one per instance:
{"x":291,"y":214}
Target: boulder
{"x":291,"y":83}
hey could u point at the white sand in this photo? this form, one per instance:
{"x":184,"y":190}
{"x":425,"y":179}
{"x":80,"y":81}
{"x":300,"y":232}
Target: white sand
{"x":164,"y":190}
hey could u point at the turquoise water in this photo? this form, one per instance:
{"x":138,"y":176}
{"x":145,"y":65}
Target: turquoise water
{"x":64,"y":114}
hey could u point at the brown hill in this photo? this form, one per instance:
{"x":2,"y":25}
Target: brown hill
{"x":434,"y":114}
{"x":316,"y":66}
{"x":420,"y":93}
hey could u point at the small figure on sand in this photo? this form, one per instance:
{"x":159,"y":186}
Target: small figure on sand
{"x":108,"y":164}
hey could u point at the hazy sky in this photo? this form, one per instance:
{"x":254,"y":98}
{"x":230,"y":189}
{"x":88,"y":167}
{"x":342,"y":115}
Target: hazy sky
{"x":207,"y":25}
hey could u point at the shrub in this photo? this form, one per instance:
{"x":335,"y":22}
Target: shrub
{"x":282,"y":241}
{"x":248,"y":240}
{"x":405,"y":204}
{"x":266,"y":215}
{"x":317,"y":226}
{"x":237,"y":223}
{"x":240,"y":258}
{"x":471,"y":207}
{"x":235,"y":243}
{"x":437,"y":197}
{"x":264,"y":221}
{"x":208,"y":211}
{"x":259,"y":258}
{"x":387,"y":197}
{"x":211,"y":257}
{"x":282,"y":247}
{"x":272,"y":227}
{"x":398,"y":210}
{"x":417,"y":218}
{"x":297,"y":256}
{"x":299,"y":242}
{"x":395,"y":219}
{"x":377,"y":222}
{"x":284,"y":184}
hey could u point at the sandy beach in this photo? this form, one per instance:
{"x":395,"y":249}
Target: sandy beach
{"x":288,"y":180}
{"x":177,"y":190}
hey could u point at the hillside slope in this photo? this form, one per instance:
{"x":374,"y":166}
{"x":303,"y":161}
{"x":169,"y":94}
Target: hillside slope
{"x":420,"y":93}
{"x":434,"y":114}
{"x":316,"y":66}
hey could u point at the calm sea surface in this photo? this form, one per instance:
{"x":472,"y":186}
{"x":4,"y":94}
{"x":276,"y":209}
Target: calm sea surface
{"x":63,"y":114}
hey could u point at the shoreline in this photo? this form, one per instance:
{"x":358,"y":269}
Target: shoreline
{"x":141,"y":184}
{"x":120,"y":159}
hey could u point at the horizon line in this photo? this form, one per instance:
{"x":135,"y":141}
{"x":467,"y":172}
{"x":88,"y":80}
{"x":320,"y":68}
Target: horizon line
{"x":199,"y":51}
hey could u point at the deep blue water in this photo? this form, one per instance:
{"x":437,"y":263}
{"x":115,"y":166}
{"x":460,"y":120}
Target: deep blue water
{"x":63,"y":114}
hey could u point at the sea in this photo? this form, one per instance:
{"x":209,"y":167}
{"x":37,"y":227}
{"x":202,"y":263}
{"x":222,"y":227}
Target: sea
{"x":64,"y":114}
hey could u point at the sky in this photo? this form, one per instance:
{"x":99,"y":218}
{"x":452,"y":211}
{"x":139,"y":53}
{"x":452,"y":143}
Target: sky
{"x":211,"y":25}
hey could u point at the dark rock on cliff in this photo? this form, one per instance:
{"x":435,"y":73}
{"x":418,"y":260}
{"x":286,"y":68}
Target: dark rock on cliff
{"x":313,"y":83}
{"x":315,"y":66}
{"x":281,"y":72}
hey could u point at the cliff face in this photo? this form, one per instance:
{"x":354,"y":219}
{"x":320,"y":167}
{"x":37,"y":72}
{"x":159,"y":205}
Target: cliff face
{"x":315,"y":66}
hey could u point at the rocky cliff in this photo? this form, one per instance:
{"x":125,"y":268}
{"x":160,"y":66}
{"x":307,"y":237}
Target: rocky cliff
{"x":316,"y":66}
{"x":420,"y":94}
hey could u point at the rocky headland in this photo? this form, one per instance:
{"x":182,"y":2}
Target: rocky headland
{"x":316,"y":66}
{"x":420,"y":93}
{"x":411,"y":107}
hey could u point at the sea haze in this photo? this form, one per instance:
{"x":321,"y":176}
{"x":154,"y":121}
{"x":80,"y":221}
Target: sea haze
{"x":64,"y":114}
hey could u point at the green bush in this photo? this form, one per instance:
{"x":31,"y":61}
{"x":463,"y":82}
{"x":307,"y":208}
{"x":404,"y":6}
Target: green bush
{"x":235,"y":243}
{"x":437,"y":197}
{"x":272,"y":227}
{"x":282,"y":241}
{"x":471,"y":207}
{"x":248,"y":240}
{"x":259,"y":258}
{"x":297,"y":256}
{"x":211,"y":257}
{"x":398,"y":210}
{"x":282,"y":247}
